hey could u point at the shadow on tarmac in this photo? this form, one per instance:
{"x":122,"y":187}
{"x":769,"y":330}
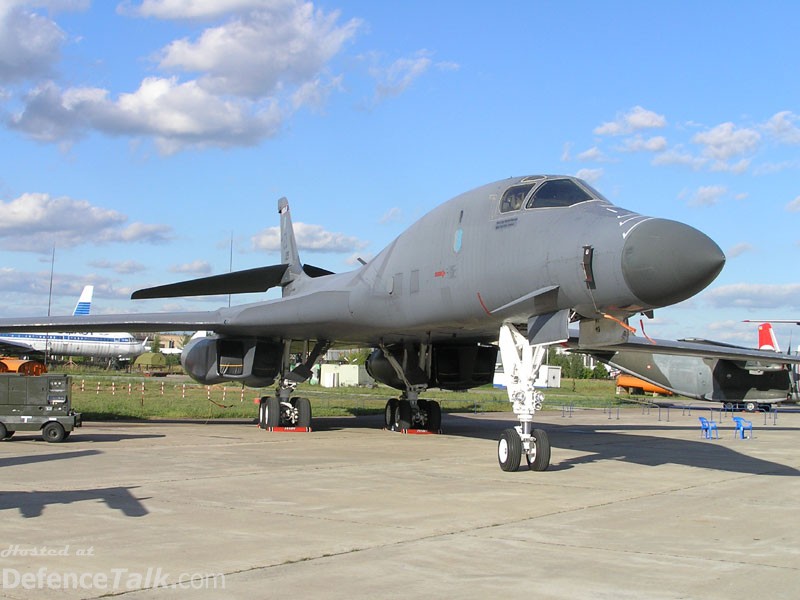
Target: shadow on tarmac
{"x":12,"y":461}
{"x":612,"y":441}
{"x":32,"y":504}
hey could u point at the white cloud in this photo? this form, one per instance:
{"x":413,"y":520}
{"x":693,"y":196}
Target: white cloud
{"x":393,"y":215}
{"x":708,"y":195}
{"x":248,"y":74}
{"x":772,"y":168}
{"x":590,"y":175}
{"x":782,"y":126}
{"x":315,"y":94}
{"x":566,"y":153}
{"x":176,"y":115}
{"x":397,"y":77}
{"x":726,"y":141}
{"x":194,"y":9}
{"x":635,"y":119}
{"x":125,"y":267}
{"x":679,"y":156}
{"x":311,"y":238}
{"x":30,"y":44}
{"x":197,"y":267}
{"x":36,"y":222}
{"x":738,"y":250}
{"x":755,"y":295}
{"x":592,"y":154}
{"x":139,"y":232}
{"x":794,"y":205}
{"x":737,"y":168}
{"x":256,"y":55}
{"x":640,"y":144}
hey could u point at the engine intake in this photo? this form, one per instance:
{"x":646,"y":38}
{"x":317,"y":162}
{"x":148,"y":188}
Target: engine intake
{"x":453,"y":366}
{"x":251,"y":361}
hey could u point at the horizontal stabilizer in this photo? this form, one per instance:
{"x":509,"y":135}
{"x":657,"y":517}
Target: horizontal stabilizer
{"x":314,"y":272}
{"x":259,"y":279}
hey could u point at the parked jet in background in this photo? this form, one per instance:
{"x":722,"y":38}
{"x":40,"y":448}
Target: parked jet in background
{"x":98,"y":344}
{"x":511,"y":263}
{"x":712,"y":371}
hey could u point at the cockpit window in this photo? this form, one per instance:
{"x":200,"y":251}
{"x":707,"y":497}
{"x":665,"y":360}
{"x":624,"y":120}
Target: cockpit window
{"x":514,"y":197}
{"x":558,"y":192}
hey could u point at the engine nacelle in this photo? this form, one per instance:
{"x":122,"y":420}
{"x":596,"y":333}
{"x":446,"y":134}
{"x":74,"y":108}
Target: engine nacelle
{"x":250,"y":361}
{"x":453,"y":366}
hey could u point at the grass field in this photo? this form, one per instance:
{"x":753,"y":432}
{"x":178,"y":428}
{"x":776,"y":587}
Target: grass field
{"x":101,"y":397}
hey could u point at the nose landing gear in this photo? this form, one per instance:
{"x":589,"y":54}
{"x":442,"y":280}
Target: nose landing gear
{"x":521,"y":363}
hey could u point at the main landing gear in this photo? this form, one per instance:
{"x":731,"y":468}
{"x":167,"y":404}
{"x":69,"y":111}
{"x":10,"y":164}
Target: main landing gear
{"x":283,"y":409}
{"x":521,"y":363}
{"x":294,"y":412}
{"x":403,"y":414}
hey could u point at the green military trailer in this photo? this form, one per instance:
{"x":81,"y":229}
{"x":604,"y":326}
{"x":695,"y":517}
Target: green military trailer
{"x":38,"y":403}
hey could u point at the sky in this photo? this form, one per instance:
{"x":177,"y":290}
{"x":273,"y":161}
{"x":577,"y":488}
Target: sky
{"x":144,"y":142}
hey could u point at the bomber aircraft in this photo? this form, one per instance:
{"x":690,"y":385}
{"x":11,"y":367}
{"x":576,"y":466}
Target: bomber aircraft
{"x":510,"y":264}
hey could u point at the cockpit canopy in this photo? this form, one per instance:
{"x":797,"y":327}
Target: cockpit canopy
{"x":547,"y":192}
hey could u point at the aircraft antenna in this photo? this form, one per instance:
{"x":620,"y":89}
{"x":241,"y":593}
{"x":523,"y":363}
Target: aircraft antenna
{"x":49,"y":304}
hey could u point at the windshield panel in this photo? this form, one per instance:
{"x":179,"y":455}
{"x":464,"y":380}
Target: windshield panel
{"x":558,"y":193}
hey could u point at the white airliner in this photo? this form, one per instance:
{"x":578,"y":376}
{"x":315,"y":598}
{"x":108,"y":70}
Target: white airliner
{"x":101,"y":345}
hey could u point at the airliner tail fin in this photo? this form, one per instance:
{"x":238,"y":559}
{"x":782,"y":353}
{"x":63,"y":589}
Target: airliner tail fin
{"x":766,"y":338}
{"x":84,"y":302}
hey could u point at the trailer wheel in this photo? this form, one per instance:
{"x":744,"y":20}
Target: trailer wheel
{"x":53,"y":432}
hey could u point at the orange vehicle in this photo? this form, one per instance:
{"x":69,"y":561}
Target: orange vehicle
{"x":21,"y":365}
{"x":634,"y":385}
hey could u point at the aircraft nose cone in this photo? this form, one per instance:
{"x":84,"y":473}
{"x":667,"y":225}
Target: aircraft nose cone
{"x":665,"y":261}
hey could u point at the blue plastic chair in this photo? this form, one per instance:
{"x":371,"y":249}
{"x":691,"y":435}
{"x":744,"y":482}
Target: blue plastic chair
{"x":707,"y":428}
{"x":741,"y":425}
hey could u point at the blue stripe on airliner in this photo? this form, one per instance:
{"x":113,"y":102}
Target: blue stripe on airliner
{"x":82,"y":308}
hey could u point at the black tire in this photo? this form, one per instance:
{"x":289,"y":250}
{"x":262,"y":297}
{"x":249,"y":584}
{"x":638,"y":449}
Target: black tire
{"x":403,"y":414}
{"x":3,"y":432}
{"x":434,"y":416}
{"x":53,"y":432}
{"x":390,"y":414}
{"x":509,"y":450}
{"x":262,"y":413}
{"x":750,"y":407}
{"x":541,"y":458}
{"x":303,"y":406}
{"x":272,"y":412}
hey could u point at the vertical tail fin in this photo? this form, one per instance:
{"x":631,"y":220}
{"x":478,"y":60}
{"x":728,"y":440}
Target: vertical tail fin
{"x":289,"y":254}
{"x":84,"y":302}
{"x":766,"y":338}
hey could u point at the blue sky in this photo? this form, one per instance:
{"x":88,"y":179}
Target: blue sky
{"x":139,"y":138}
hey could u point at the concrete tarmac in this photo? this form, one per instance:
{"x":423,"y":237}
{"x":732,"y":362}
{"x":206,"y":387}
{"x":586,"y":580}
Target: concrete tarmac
{"x":632,"y":507}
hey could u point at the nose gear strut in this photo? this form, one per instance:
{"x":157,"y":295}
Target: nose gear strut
{"x":521,"y":363}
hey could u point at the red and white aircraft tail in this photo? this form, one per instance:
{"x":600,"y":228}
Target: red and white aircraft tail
{"x":766,"y":338}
